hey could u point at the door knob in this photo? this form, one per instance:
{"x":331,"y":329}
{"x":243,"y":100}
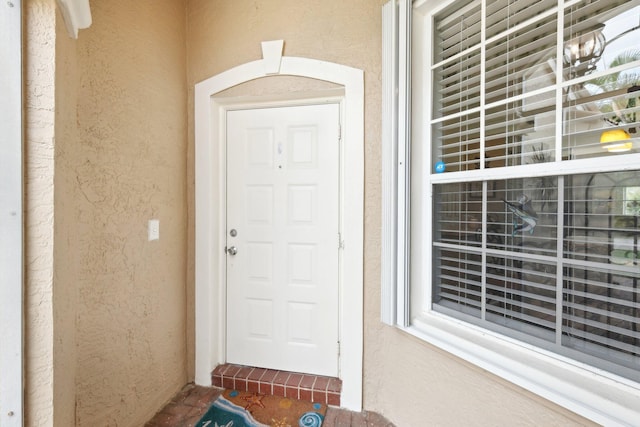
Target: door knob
{"x":232,"y":250}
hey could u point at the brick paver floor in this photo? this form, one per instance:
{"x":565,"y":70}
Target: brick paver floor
{"x":188,"y":406}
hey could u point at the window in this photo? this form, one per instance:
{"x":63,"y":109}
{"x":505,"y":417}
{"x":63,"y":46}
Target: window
{"x":525,"y":169}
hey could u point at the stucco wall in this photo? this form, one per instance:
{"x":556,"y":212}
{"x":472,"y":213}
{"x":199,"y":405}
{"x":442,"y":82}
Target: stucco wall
{"x":65,"y":287}
{"x":105,"y":150}
{"x":408,"y":381}
{"x":39,"y":106}
{"x":127,"y":166}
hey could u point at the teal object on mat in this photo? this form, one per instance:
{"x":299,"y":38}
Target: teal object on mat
{"x":223,"y":413}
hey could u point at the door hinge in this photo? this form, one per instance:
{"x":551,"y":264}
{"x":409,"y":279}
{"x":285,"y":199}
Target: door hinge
{"x":340,"y":241}
{"x":338,"y":349}
{"x":339,"y":131}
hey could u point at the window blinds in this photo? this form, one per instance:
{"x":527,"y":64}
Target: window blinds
{"x":552,"y":260}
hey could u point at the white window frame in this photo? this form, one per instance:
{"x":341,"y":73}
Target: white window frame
{"x":396,"y":133}
{"x":11,"y":247}
{"x":598,"y":395}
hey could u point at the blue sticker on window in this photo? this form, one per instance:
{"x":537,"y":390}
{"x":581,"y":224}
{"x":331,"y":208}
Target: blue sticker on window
{"x":440,"y":167}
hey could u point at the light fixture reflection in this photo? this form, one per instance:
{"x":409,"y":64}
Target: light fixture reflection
{"x":616,"y":140}
{"x":583,"y":51}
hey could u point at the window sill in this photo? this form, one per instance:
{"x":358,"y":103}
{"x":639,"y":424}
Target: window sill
{"x":594,"y":394}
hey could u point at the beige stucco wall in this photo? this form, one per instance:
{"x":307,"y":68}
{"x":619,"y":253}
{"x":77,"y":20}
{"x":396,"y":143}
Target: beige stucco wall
{"x":129,"y":166}
{"x":105,"y":151}
{"x":408,"y":381}
{"x":65,"y":286}
{"x":39,"y":107}
{"x":50,"y":121}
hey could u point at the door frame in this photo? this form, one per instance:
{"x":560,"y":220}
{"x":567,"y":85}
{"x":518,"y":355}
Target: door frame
{"x":210,"y":159}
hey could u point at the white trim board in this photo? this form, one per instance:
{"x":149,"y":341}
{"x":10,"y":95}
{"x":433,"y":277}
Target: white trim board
{"x":210,"y":207}
{"x":11,"y":218}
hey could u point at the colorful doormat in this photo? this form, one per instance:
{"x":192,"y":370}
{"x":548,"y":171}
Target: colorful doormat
{"x":244,"y":409}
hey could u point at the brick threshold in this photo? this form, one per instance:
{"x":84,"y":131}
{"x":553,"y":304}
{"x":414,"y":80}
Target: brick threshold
{"x":294,"y":385}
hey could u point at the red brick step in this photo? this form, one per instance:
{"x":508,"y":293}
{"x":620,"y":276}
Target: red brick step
{"x":311,"y":388}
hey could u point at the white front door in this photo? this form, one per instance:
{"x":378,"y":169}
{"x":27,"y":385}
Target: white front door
{"x":283,"y":238}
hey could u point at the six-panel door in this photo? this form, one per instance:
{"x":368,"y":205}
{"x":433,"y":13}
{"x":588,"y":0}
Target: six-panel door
{"x":283,"y":226}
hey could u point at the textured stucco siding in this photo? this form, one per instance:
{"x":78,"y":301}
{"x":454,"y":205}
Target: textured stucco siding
{"x":65,"y":286}
{"x":105,"y":151}
{"x":130,"y":166}
{"x":39,"y":100}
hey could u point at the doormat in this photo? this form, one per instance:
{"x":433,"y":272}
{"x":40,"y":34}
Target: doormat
{"x":245,"y":409}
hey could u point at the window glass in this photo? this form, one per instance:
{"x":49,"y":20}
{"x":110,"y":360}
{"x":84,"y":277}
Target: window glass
{"x":601,"y":113}
{"x":521,"y":132}
{"x":601,"y":316}
{"x":458,"y":142}
{"x":505,"y":14}
{"x":514,"y":55}
{"x":457,"y":29}
{"x":599,"y":83}
{"x":600,"y":226}
{"x":501,"y":268}
{"x":541,"y":254}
